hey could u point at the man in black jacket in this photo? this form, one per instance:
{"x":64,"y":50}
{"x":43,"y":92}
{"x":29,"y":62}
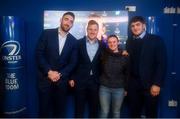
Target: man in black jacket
{"x":86,"y":75}
{"x":56,"y":55}
{"x":147,"y":60}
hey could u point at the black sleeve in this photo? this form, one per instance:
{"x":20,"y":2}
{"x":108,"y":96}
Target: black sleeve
{"x":127,"y":71}
{"x":160,"y":60}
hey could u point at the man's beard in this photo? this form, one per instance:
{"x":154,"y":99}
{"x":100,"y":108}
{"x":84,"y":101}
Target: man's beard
{"x":65,"y":29}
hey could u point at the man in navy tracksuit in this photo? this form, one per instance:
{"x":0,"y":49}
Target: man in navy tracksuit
{"x":148,"y":62}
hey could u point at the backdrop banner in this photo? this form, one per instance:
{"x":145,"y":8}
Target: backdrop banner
{"x":12,"y":56}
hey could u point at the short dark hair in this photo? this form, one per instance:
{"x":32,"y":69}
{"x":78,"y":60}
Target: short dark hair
{"x":92,"y":22}
{"x":136,"y":19}
{"x":110,"y":36}
{"x":69,"y":13}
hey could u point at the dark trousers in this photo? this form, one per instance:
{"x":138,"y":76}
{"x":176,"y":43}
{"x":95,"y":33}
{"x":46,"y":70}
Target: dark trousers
{"x":139,"y":97}
{"x":52,"y":101}
{"x":87,"y":92}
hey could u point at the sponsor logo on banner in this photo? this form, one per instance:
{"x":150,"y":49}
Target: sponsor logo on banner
{"x":10,"y":51}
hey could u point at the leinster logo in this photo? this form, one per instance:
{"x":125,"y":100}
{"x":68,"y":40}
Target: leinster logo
{"x":10,"y":51}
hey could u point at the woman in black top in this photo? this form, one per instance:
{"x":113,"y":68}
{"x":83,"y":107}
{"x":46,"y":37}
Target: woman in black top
{"x":113,"y":78}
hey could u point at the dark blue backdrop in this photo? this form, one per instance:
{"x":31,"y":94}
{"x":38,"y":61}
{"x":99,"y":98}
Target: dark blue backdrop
{"x":32,"y":13}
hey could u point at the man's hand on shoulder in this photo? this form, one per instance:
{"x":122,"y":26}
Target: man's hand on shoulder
{"x":125,"y":53}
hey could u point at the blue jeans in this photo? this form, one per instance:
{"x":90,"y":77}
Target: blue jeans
{"x":108,"y":95}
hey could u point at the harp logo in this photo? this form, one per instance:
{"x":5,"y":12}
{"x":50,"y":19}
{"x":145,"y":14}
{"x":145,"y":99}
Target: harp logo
{"x":10,"y":51}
